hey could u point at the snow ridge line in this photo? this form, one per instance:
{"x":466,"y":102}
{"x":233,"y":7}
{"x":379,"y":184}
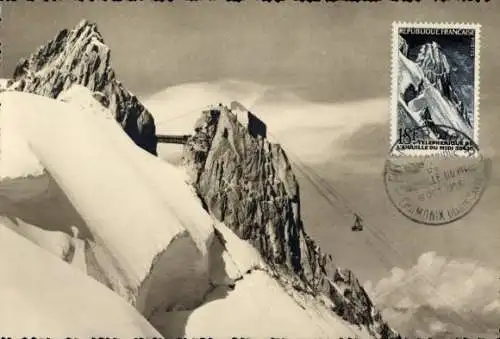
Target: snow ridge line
{"x":283,"y":283}
{"x":125,"y":290}
{"x":288,"y":286}
{"x":256,"y":268}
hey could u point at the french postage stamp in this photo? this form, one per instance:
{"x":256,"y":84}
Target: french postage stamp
{"x":435,"y":89}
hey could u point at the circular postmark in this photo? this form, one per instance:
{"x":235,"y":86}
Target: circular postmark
{"x":437,"y":189}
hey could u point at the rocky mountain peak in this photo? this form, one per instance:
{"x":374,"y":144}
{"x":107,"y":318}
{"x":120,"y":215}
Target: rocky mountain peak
{"x":248,"y":183}
{"x":436,"y":68}
{"x":80,"y":56}
{"x":92,"y":26}
{"x":435,"y":64}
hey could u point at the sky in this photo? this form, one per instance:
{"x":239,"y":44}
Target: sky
{"x":324,"y":54}
{"x":321,"y":51}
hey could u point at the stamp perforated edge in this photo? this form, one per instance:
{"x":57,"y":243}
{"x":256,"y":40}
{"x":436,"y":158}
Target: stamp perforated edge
{"x":394,"y":80}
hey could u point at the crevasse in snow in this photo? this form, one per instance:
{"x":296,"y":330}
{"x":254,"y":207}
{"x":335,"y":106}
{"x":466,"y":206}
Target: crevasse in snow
{"x":154,"y":242}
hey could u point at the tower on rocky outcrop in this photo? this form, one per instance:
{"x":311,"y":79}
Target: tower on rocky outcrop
{"x":255,"y":126}
{"x":250,"y":186}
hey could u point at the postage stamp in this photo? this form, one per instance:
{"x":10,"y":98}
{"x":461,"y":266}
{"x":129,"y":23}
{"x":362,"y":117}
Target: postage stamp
{"x":435,"y":89}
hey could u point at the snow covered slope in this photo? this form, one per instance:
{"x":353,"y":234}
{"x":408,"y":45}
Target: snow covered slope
{"x":259,"y":299}
{"x":65,"y":247}
{"x":443,"y":112}
{"x":254,"y":297}
{"x":151,"y":239}
{"x":42,"y":296}
{"x":141,"y":242}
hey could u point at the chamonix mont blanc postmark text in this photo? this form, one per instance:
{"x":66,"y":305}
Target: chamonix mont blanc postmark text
{"x":437,"y":190}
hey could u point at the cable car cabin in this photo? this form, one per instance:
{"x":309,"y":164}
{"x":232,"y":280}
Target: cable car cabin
{"x":358,"y":224}
{"x":255,"y":126}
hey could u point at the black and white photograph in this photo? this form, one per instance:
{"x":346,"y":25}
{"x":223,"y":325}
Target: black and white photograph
{"x":227,"y":169}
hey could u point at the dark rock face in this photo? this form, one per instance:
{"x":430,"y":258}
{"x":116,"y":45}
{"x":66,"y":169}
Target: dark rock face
{"x":403,"y":46}
{"x":80,"y":57}
{"x":437,"y":69}
{"x":248,"y":183}
{"x":435,"y":65}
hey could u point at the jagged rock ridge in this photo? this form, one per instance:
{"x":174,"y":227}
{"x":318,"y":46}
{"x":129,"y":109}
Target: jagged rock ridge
{"x":248,"y":183}
{"x":80,"y":57}
{"x":436,"y":67}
